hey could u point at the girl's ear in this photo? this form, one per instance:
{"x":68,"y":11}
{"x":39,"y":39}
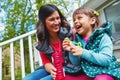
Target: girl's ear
{"x":93,"y":20}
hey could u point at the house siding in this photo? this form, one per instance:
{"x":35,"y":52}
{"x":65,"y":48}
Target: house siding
{"x":100,"y":6}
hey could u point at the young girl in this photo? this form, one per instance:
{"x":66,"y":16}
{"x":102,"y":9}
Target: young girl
{"x":96,"y":56}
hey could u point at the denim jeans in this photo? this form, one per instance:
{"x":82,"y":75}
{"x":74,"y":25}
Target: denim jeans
{"x":40,"y":74}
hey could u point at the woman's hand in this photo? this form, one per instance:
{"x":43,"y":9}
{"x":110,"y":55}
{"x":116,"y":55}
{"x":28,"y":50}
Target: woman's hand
{"x":51,"y":69}
{"x":53,"y":72}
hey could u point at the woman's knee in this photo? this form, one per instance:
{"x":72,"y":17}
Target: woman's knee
{"x":49,"y":77}
{"x":28,"y":78}
{"x":36,"y":75}
{"x":103,"y":77}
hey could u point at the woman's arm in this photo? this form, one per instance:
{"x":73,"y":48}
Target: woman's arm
{"x":44,"y":58}
{"x":48,"y":65}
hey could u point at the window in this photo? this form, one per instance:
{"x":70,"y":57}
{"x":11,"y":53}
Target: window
{"x":112,"y":14}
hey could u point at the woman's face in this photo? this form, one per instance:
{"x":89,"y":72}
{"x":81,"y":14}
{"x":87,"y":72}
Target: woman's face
{"x":53,"y":22}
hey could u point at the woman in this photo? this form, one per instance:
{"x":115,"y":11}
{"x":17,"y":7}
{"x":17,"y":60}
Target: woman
{"x":52,"y":28}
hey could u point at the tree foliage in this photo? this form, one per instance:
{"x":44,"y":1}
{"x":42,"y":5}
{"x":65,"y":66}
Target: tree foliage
{"x":20,"y":17}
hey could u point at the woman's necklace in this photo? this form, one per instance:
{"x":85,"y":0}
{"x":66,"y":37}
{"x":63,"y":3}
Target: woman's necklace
{"x":56,"y":46}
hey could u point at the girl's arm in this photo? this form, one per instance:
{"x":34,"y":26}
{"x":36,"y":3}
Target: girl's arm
{"x":105,"y":54}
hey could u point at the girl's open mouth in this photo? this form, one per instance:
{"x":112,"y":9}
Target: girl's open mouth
{"x":77,"y":27}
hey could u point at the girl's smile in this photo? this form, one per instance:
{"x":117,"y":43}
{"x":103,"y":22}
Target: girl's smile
{"x":82,"y":24}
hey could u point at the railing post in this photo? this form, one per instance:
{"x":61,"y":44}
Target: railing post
{"x":11,"y":54}
{"x":31,"y":55}
{"x":0,"y":63}
{"x":12,"y":61}
{"x":22,"y":58}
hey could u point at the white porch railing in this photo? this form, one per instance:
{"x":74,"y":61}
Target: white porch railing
{"x":34,"y":56}
{"x":11,"y":54}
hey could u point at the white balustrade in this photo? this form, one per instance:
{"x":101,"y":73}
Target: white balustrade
{"x":32,"y":56}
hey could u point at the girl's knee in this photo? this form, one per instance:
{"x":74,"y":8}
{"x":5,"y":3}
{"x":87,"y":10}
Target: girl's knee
{"x":103,"y":77}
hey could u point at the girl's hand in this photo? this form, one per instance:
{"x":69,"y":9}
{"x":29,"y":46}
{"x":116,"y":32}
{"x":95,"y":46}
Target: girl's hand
{"x":76,"y":50}
{"x":67,"y":44}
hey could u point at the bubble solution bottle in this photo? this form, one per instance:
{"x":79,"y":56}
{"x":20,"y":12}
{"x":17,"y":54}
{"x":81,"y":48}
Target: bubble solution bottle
{"x":57,"y":61}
